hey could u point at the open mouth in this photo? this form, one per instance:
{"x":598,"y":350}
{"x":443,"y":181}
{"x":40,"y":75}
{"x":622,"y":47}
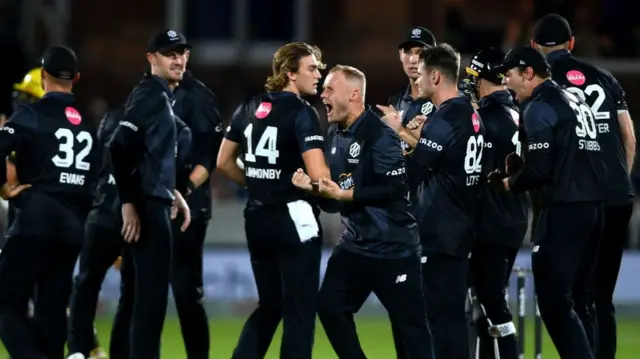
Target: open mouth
{"x":329,"y":108}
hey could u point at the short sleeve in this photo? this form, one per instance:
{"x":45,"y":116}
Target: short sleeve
{"x":307,"y":130}
{"x":436,"y":137}
{"x":234,"y":130}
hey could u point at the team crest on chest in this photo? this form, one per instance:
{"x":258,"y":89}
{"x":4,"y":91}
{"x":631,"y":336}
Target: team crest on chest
{"x":354,"y":151}
{"x":426,"y":108}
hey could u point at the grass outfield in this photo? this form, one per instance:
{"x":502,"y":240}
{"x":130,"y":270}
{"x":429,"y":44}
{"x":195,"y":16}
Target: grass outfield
{"x":375,"y":336}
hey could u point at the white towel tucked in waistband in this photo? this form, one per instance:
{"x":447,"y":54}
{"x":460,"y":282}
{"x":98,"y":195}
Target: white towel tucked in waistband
{"x":305,"y":221}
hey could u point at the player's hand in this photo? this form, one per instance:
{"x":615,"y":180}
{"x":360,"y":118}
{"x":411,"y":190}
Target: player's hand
{"x":12,"y":174}
{"x":495,"y":180}
{"x":3,"y":119}
{"x":130,"y":223}
{"x":330,"y":189}
{"x":118,"y":263}
{"x":181,"y":206}
{"x":386,"y":109}
{"x":12,"y":191}
{"x":513,"y":164}
{"x":416,"y":124}
{"x":302,"y":180}
{"x":393,"y":120}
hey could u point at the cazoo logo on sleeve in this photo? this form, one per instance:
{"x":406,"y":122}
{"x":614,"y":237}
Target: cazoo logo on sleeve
{"x":8,"y":129}
{"x":431,"y":144}
{"x":396,"y":172}
{"x":538,"y":146}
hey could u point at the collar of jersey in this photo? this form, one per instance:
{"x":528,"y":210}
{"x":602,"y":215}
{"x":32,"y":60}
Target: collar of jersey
{"x":406,"y":95}
{"x":558,"y":54}
{"x":452,"y":100}
{"x":501,"y":97}
{"x":276,"y":94}
{"x":356,"y":124}
{"x":60,"y":95}
{"x":546,"y":83}
{"x":164,"y":84}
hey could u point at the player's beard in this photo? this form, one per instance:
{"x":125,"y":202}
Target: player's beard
{"x":427,"y":93}
{"x":173,"y":74}
{"x":339,"y":114}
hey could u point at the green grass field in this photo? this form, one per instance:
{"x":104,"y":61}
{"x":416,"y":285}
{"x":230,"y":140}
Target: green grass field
{"x":375,"y":335}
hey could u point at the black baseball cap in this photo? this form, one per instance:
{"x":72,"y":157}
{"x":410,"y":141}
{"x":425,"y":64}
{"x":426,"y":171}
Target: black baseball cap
{"x":60,"y":62}
{"x":552,"y":30}
{"x":523,"y":57}
{"x":420,"y":36}
{"x":167,"y":40}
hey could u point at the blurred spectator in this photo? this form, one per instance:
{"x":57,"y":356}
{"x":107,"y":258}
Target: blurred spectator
{"x":14,"y":61}
{"x":586,"y":28}
{"x":455,"y":25}
{"x":520,"y":24}
{"x":620,"y":19}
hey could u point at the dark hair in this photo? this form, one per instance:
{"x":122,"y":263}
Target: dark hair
{"x":287,"y":59}
{"x":443,"y":58}
{"x":543,"y":74}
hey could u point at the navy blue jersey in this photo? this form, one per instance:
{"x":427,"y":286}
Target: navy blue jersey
{"x":451,"y":147}
{"x":106,"y":204}
{"x":106,"y":208}
{"x":409,"y":108}
{"x":500,"y":212}
{"x":55,"y":152}
{"x":274,"y":129}
{"x":54,"y":149}
{"x":367,"y":157}
{"x":602,"y":92}
{"x":563,"y":156}
{"x":144,"y":146}
{"x":197,"y":106}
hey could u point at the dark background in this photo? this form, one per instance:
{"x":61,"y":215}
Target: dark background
{"x":235,"y":39}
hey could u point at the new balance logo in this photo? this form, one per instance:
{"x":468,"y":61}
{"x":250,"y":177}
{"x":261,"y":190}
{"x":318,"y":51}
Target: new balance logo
{"x":535,"y":249}
{"x":401,"y":278}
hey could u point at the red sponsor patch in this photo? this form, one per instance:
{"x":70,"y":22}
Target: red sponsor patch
{"x":475,"y":121}
{"x":73,"y":115}
{"x":263,"y":110}
{"x":576,"y":77}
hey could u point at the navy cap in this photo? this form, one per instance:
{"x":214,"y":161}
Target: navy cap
{"x":420,"y":36}
{"x":552,"y":30}
{"x":167,"y":40}
{"x":60,"y":62}
{"x":525,"y":56}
